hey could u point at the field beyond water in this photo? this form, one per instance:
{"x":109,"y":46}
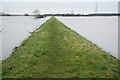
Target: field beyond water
{"x":56,"y":51}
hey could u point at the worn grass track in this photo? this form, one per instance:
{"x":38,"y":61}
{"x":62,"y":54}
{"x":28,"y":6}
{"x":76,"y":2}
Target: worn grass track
{"x":56,"y":51}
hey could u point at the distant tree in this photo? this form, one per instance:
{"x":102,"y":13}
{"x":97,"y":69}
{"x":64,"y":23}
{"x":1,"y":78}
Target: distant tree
{"x":36,"y":12}
{"x":26,"y":14}
{"x":2,"y":14}
{"x":8,"y":15}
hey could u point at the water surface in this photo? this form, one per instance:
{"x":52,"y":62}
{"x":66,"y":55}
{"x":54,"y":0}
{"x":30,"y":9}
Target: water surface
{"x":103,"y":31}
{"x":16,"y":29}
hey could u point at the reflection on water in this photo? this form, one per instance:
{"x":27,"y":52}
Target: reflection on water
{"x":102,"y":31}
{"x":16,"y":29}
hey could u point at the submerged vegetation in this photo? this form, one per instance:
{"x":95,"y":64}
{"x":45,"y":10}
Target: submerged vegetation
{"x":56,"y":51}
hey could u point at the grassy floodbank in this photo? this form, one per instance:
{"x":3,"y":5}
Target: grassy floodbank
{"x":56,"y":51}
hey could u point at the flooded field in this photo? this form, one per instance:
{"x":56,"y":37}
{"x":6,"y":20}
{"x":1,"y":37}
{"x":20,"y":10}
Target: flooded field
{"x":0,"y":45}
{"x":15,"y":29}
{"x":103,"y":31}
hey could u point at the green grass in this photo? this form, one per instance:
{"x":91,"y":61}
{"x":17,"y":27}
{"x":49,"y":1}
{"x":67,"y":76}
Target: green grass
{"x":56,"y":51}
{"x":0,"y":70}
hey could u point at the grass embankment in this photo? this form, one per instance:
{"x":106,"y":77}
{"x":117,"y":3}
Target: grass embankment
{"x":56,"y":51}
{"x":0,"y":70}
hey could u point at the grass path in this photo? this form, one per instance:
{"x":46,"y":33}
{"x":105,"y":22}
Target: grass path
{"x":56,"y":51}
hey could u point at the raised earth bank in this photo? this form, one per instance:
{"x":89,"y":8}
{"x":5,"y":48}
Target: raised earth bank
{"x":56,"y":51}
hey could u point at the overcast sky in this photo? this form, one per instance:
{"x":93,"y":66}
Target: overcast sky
{"x":59,"y":6}
{"x":60,"y":0}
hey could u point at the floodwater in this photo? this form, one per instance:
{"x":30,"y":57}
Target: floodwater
{"x":0,"y":38}
{"x":15,"y":29}
{"x":103,"y":31}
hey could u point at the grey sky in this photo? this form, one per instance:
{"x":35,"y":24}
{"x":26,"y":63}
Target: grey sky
{"x":60,"y":0}
{"x":59,"y":7}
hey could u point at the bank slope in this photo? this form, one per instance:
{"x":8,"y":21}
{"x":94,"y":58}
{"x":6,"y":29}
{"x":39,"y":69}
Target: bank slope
{"x":56,"y":51}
